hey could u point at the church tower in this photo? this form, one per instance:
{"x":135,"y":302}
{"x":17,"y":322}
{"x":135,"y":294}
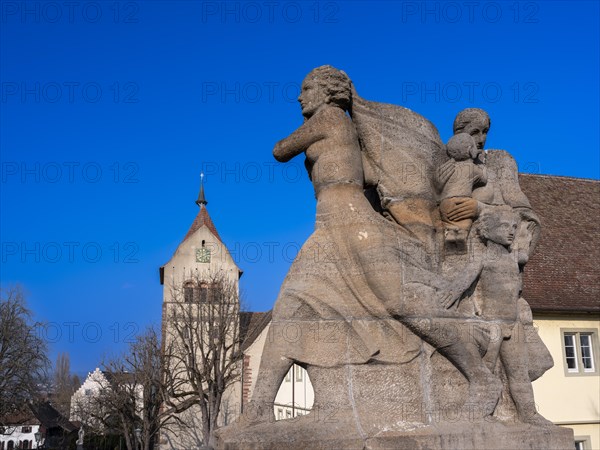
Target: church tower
{"x":201,"y":255}
{"x":200,"y":324}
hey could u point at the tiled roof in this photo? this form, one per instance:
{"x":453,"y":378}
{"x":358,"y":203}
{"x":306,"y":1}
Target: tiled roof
{"x":563,"y":275}
{"x":251,"y":325}
{"x":24,"y":417}
{"x":202,"y":219}
{"x":118,"y":378}
{"x":50,"y":417}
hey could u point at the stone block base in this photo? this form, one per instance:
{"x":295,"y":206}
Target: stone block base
{"x":463,"y":436}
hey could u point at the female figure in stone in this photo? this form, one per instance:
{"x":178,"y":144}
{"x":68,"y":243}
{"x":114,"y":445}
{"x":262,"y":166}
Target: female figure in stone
{"x":359,"y":274}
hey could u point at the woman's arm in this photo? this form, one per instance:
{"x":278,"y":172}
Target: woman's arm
{"x":297,"y":142}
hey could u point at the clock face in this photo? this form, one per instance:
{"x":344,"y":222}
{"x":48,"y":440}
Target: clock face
{"x":203,"y":255}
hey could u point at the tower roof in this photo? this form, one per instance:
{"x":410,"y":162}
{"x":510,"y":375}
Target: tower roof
{"x":202,"y":220}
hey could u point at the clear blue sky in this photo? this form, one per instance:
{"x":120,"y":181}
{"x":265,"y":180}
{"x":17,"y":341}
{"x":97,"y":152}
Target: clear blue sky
{"x":110,"y":110}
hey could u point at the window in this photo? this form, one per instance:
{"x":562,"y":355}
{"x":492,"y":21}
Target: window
{"x":580,"y":350}
{"x":299,"y":371}
{"x":205,"y":293}
{"x":188,"y":294}
{"x":88,"y":392}
{"x":25,"y":429}
{"x":198,"y":294}
{"x":288,"y":414}
{"x":582,"y":443}
{"x":279,"y":413}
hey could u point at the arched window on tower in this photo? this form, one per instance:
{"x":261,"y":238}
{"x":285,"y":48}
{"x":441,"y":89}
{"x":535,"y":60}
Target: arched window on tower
{"x":202,"y":293}
{"x":188,"y":292}
{"x":206,"y":293}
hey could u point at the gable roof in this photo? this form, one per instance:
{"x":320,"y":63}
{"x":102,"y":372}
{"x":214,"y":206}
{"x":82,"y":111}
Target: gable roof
{"x":563,"y":275}
{"x":202,"y":220}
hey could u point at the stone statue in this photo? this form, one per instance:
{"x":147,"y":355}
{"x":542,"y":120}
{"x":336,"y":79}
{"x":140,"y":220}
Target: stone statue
{"x":80,"y":436}
{"x":467,"y":173}
{"x":389,"y":327}
{"x":502,"y":188}
{"x":500,"y":285}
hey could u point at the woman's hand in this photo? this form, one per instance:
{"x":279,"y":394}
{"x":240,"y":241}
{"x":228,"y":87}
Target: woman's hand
{"x":463,"y":208}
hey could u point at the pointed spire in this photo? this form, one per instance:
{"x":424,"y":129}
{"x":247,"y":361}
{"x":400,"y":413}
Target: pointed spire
{"x":202,"y":219}
{"x":201,"y":199}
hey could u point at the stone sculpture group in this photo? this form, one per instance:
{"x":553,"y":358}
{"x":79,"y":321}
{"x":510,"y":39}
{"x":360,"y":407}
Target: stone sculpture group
{"x":404,"y":304}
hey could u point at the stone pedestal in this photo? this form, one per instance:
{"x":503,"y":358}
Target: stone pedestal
{"x":416,"y":405}
{"x":464,"y":436}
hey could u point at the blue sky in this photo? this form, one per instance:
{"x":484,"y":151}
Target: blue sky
{"x":109,"y":111}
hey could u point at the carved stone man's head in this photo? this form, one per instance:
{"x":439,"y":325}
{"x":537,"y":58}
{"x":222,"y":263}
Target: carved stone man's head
{"x":475,"y":122}
{"x":323,"y":85}
{"x":498,"y":224}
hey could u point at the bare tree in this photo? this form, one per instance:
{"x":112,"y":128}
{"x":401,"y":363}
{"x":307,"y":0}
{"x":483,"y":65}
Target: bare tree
{"x":23,"y":360}
{"x":130,"y":395}
{"x":65,"y":384}
{"x":110,"y":408}
{"x":202,"y":347}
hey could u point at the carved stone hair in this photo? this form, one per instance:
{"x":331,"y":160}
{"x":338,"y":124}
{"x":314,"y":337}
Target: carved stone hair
{"x":458,"y":146}
{"x":335,"y":83}
{"x":466,"y":116}
{"x":492,"y":217}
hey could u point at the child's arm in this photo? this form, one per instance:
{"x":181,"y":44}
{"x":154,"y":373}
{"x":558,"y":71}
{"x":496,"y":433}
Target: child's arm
{"x":466,"y":277}
{"x":443,"y":174}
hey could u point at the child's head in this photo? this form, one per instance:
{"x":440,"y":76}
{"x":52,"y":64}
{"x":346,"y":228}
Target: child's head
{"x":498,"y":224}
{"x":461,"y":147}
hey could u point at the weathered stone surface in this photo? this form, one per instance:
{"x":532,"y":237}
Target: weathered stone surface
{"x":407,"y":343}
{"x":305,"y":433}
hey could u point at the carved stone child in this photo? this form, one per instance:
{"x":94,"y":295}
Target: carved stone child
{"x":467,"y":174}
{"x":500,"y":286}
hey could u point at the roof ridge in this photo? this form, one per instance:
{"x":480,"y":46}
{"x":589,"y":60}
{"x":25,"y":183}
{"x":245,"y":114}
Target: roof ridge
{"x":543,"y":175}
